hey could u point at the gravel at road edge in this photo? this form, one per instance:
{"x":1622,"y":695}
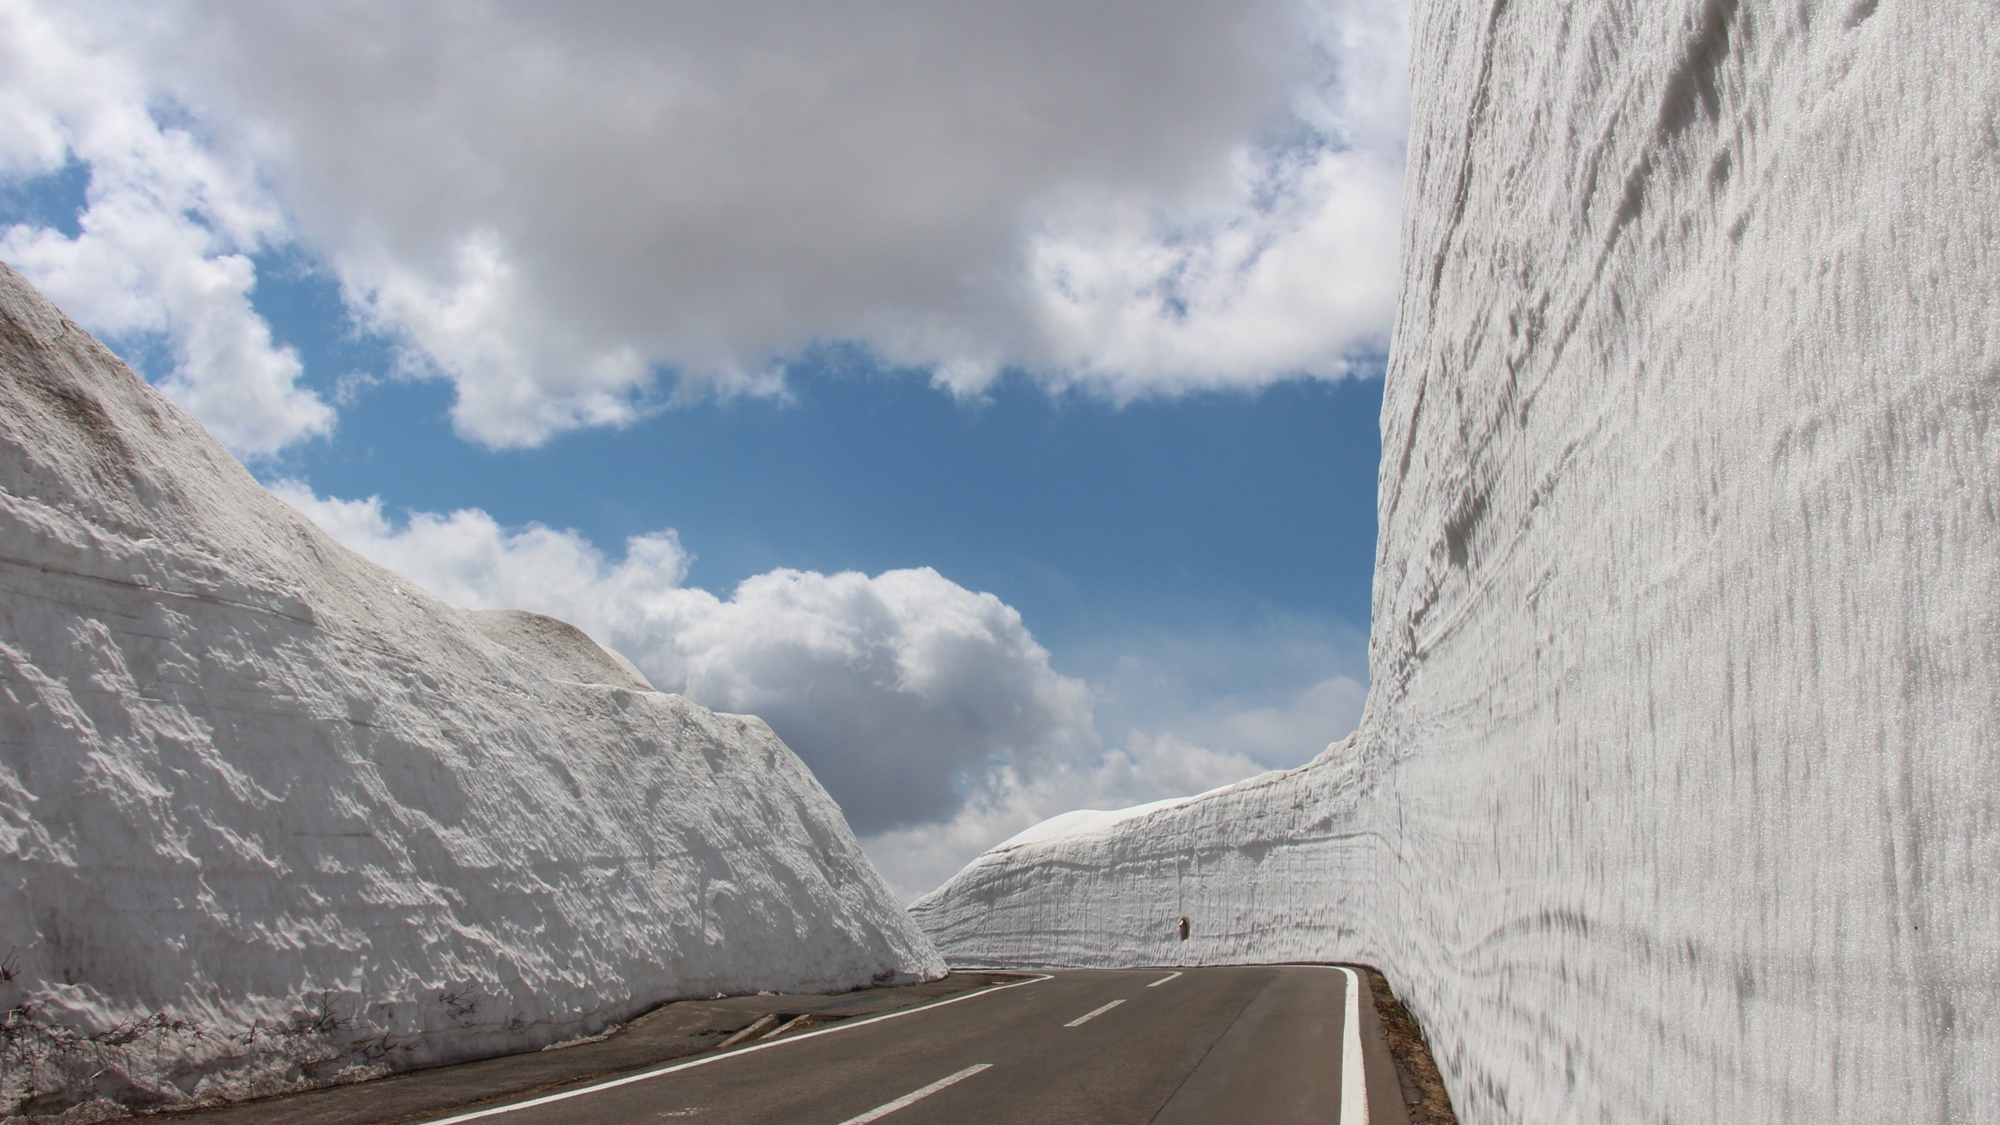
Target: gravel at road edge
{"x":1423,"y":1088}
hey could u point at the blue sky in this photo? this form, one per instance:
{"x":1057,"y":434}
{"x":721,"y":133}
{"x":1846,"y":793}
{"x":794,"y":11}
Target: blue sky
{"x":1087,"y":516}
{"x":1004,"y":468}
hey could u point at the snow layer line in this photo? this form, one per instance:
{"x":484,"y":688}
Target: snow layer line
{"x":270,"y":815}
{"x":1675,"y":798}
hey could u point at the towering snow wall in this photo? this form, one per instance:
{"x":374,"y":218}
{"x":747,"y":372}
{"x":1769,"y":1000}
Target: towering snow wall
{"x":1678,"y":793}
{"x":268,"y":812}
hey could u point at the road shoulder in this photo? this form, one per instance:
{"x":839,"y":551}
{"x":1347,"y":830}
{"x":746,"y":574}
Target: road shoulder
{"x":673,"y":1031}
{"x":1422,"y":1088}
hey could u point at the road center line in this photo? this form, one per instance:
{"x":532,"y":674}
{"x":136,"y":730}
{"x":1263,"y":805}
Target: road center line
{"x":1088,"y":1016}
{"x":705,"y":1060}
{"x":1163,"y":980}
{"x":915,"y":1096}
{"x":1353,"y":1077}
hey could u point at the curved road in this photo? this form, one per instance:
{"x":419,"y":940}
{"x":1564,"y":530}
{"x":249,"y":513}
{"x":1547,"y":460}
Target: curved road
{"x":1268,"y":1044}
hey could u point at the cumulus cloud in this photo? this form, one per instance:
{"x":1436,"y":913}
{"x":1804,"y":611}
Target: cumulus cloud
{"x":1132,"y":304}
{"x":900,"y":690}
{"x":1287,"y":271}
{"x":162,"y":245}
{"x":928,"y":710}
{"x":550,"y":205}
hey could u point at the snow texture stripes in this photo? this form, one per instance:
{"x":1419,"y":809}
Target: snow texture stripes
{"x":1674,"y":799}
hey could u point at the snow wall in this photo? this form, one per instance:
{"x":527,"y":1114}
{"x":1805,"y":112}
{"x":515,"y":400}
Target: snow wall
{"x":1677,"y":797}
{"x":270,"y":815}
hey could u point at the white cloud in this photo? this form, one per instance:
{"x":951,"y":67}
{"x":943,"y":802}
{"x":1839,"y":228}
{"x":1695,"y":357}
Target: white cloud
{"x":1144,"y":305}
{"x":928,"y":710}
{"x":514,"y":388}
{"x":900,"y":690}
{"x":1290,"y":271}
{"x":161,"y":248}
{"x":549,"y":204}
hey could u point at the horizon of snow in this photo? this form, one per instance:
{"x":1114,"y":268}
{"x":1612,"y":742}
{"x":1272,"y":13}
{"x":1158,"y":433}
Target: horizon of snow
{"x":1083,"y":822}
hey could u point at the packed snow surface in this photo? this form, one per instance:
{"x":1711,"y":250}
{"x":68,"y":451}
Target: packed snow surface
{"x":1678,"y":793}
{"x":269,"y":814}
{"x":1081,"y":821}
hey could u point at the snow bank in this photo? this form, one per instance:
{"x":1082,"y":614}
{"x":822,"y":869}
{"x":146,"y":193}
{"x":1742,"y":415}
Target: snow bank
{"x":1080,"y":822}
{"x":269,"y":814}
{"x":1678,"y":793}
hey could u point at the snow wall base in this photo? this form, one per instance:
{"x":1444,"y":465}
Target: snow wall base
{"x":271,"y":816}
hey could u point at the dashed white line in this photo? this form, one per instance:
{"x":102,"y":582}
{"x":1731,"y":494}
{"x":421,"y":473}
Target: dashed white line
{"x":915,"y":1096}
{"x":1088,"y":1016}
{"x":1353,"y":1078}
{"x":1163,"y":980}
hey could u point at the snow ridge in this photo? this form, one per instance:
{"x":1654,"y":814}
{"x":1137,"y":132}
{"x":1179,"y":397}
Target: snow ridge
{"x":270,"y":815}
{"x":1674,"y":796}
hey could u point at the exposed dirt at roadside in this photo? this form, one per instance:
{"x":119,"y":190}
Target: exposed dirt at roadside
{"x":1423,"y":1089}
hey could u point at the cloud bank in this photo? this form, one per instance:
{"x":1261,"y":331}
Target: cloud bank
{"x":928,"y":711}
{"x":570,"y":212}
{"x":161,"y":249}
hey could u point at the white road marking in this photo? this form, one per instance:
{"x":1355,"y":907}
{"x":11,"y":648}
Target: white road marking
{"x":1088,"y":1016}
{"x":1353,"y":1078}
{"x":915,"y":1096}
{"x":1163,"y":980}
{"x":736,"y":1054}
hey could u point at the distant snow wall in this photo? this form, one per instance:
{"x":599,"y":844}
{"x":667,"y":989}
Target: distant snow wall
{"x":1677,"y":797}
{"x":270,"y":814}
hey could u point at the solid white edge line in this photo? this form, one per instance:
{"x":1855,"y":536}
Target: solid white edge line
{"x":844,"y":1025}
{"x":1353,"y":1076}
{"x":1088,"y":1016}
{"x":915,"y":1096}
{"x":1163,"y":980}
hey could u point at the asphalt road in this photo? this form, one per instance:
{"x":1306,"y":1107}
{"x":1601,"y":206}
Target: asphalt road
{"x":1265,"y":1044}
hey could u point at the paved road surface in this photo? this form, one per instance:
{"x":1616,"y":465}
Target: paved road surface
{"x":1264,"y":1044}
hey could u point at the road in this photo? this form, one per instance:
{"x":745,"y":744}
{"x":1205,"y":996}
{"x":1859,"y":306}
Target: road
{"x":1265,"y":1044}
